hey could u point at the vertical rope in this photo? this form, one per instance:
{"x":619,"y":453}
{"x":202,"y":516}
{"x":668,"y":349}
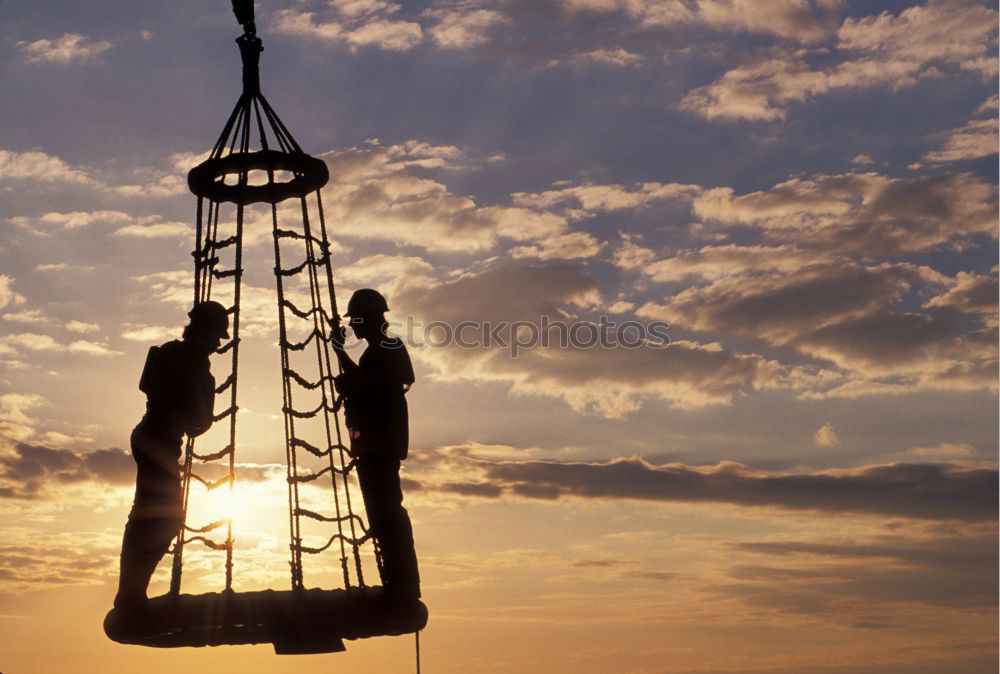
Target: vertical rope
{"x":344,"y":462}
{"x":238,"y":283}
{"x":291,"y":466}
{"x":323,"y":357}
{"x":237,"y":288}
{"x":197,"y":253}
{"x":177,"y":567}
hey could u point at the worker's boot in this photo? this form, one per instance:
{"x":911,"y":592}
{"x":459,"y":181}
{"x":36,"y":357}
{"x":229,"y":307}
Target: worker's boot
{"x":133,"y":578}
{"x":138,"y":561}
{"x":399,"y":564}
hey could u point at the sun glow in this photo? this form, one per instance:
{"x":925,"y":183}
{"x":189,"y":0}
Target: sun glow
{"x":238,"y":505}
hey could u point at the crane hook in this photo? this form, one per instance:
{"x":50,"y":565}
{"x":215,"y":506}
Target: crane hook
{"x":243,"y":9}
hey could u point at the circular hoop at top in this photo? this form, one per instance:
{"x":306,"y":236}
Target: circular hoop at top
{"x":205,"y":179}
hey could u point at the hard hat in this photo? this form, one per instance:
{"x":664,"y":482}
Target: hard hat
{"x":211,"y":315}
{"x":365,"y":302}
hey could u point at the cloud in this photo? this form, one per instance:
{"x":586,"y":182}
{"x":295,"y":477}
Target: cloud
{"x":597,"y":198}
{"x":884,"y":50}
{"x":71,"y":220}
{"x":28,"y":316}
{"x":68,"y":48}
{"x":630,"y":255}
{"x":946,"y":451}
{"x":9,"y":298}
{"x":35,"y":165}
{"x":571,"y":246}
{"x":92,"y":348}
{"x":826,"y":436}
{"x":388,"y":35}
{"x":463,"y":25}
{"x":759,"y":91}
{"x":955,"y":569}
{"x":861,"y":213}
{"x":947,"y":31}
{"x":63,"y":266}
{"x":373,"y":269}
{"x":148,"y":333}
{"x":258,"y":304}
{"x":360,"y":24}
{"x":990,"y":104}
{"x":918,"y":491}
{"x":845,"y":313}
{"x":377,"y":197}
{"x":31,"y":341}
{"x":798,"y":20}
{"x":82,"y":327}
{"x":971,"y":294}
{"x":929,"y":347}
{"x":619,"y":58}
{"x":606,"y":381}
{"x":716,"y":262}
{"x":154,"y":184}
{"x":70,"y":558}
{"x":156,"y":230}
{"x":15,"y":421}
{"x":29,"y":469}
{"x":977,"y":138}
{"x":780,"y":306}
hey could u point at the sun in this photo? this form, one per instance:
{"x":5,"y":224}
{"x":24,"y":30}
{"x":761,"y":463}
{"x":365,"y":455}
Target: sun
{"x":224,"y":503}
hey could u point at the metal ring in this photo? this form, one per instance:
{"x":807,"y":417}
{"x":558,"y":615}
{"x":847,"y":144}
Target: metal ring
{"x":310,"y":173}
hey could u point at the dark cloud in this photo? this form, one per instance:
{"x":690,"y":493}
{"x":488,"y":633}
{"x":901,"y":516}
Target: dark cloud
{"x":851,"y":315}
{"x":650,"y":575}
{"x":922,"y":491}
{"x":972,"y":293}
{"x":507,"y":293}
{"x":482,"y":489}
{"x":27,"y":470}
{"x":609,"y":381}
{"x":64,"y":562}
{"x":600,"y":563}
{"x":881,"y":339}
{"x":953,"y":552}
{"x":956,"y":571}
{"x":777,"y":306}
{"x":862,"y":213}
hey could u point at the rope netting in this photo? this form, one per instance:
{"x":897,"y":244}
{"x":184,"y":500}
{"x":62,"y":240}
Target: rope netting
{"x":255,"y":143}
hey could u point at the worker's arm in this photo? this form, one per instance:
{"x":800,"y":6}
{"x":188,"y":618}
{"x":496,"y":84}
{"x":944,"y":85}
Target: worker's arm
{"x":202,"y":404}
{"x":337,"y":340}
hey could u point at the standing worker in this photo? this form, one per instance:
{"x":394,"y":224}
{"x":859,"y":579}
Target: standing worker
{"x":374,"y":391}
{"x":180,"y":398}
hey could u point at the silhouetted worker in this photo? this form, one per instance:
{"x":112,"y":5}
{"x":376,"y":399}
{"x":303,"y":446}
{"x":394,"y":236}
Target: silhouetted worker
{"x":374,"y":391}
{"x":180,"y":396}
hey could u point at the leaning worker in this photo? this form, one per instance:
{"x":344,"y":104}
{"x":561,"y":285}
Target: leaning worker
{"x":180,"y":395}
{"x":374,"y":391}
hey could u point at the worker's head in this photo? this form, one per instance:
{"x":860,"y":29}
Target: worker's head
{"x":208,"y":327}
{"x":366,"y":309}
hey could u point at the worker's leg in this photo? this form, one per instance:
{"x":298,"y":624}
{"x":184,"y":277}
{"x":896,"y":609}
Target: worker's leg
{"x":155,"y":516}
{"x":390,"y":523}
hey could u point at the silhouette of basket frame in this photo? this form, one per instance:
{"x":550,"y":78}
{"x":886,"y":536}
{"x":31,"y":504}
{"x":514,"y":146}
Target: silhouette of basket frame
{"x":206,"y":180}
{"x":294,"y":621}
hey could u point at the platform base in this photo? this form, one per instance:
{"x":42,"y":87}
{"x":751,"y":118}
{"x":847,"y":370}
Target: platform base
{"x":294,"y":621}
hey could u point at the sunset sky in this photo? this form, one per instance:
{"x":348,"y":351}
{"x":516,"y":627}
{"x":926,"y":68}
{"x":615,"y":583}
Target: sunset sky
{"x":804,"y":480}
